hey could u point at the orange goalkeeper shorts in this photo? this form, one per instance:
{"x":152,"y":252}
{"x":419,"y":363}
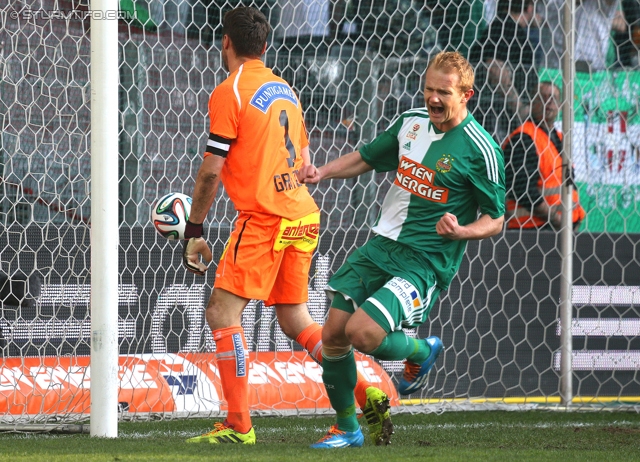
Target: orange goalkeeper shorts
{"x":268,"y":258}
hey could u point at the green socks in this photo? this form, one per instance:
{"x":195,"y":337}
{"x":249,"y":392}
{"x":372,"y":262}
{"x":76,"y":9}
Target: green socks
{"x":339,"y":375}
{"x":397,"y":346}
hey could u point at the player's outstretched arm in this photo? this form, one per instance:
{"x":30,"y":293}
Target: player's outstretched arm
{"x":347,"y":166}
{"x":483,"y":227}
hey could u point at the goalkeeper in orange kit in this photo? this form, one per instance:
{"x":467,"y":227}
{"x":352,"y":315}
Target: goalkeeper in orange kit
{"x":256,"y":145}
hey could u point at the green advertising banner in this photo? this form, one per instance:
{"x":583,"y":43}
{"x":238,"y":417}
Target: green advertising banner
{"x":610,"y":207}
{"x":606,"y":148}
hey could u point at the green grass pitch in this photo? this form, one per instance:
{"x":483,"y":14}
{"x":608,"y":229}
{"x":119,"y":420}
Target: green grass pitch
{"x":452,"y":436}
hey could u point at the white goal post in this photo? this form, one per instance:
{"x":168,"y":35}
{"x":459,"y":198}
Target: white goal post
{"x":104,"y":229}
{"x":534,"y":319}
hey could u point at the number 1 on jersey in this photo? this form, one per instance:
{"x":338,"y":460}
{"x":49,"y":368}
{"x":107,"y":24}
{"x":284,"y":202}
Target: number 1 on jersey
{"x":284,"y":122}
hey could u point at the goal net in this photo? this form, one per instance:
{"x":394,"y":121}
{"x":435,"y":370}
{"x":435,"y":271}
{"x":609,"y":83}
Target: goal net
{"x":355,"y":69}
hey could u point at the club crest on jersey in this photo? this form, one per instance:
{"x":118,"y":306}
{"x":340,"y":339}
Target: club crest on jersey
{"x":444,"y":164}
{"x":270,"y":92}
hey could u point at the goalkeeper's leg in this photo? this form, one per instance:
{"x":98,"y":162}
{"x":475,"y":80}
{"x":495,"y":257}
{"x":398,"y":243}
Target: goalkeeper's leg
{"x":223,"y":315}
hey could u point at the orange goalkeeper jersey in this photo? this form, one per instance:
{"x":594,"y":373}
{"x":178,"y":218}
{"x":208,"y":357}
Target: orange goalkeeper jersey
{"x":257,"y":124}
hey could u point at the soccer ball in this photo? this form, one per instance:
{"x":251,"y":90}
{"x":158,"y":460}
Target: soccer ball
{"x":170,"y":214}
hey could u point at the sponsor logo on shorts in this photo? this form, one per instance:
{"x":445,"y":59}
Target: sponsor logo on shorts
{"x":270,"y":92}
{"x":241,"y":361}
{"x":302,"y":234}
{"x":415,"y":299}
{"x":310,"y":230}
{"x":406,"y":293}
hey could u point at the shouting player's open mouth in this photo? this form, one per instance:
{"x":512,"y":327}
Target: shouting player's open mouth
{"x":435,"y":110}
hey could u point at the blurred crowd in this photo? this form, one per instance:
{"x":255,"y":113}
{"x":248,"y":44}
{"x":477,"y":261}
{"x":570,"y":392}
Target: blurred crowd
{"x":402,"y":27}
{"x":508,"y":41}
{"x":609,"y":30}
{"x":524,"y":36}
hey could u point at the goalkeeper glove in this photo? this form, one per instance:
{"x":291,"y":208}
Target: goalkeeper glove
{"x":194,"y":246}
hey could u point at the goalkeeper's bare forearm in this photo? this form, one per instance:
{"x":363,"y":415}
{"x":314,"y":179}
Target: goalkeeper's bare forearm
{"x":204,"y":193}
{"x":206,"y":187}
{"x":347,"y":166}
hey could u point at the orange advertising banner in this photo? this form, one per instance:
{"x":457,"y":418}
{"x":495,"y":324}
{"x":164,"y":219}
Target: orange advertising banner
{"x":171,"y":383}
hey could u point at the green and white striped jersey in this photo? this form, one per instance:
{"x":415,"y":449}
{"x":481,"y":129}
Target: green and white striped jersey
{"x":460,"y":171}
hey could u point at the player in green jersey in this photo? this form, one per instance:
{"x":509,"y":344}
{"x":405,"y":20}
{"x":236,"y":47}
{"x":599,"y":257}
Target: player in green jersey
{"x":449,"y":187}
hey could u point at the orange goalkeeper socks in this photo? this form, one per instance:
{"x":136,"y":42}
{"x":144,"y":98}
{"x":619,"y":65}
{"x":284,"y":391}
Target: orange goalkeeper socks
{"x":360,"y":392}
{"x":233,"y":366}
{"x":311,"y":340}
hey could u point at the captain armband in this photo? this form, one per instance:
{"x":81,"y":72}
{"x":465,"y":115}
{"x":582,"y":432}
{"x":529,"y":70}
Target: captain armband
{"x":217,"y":145}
